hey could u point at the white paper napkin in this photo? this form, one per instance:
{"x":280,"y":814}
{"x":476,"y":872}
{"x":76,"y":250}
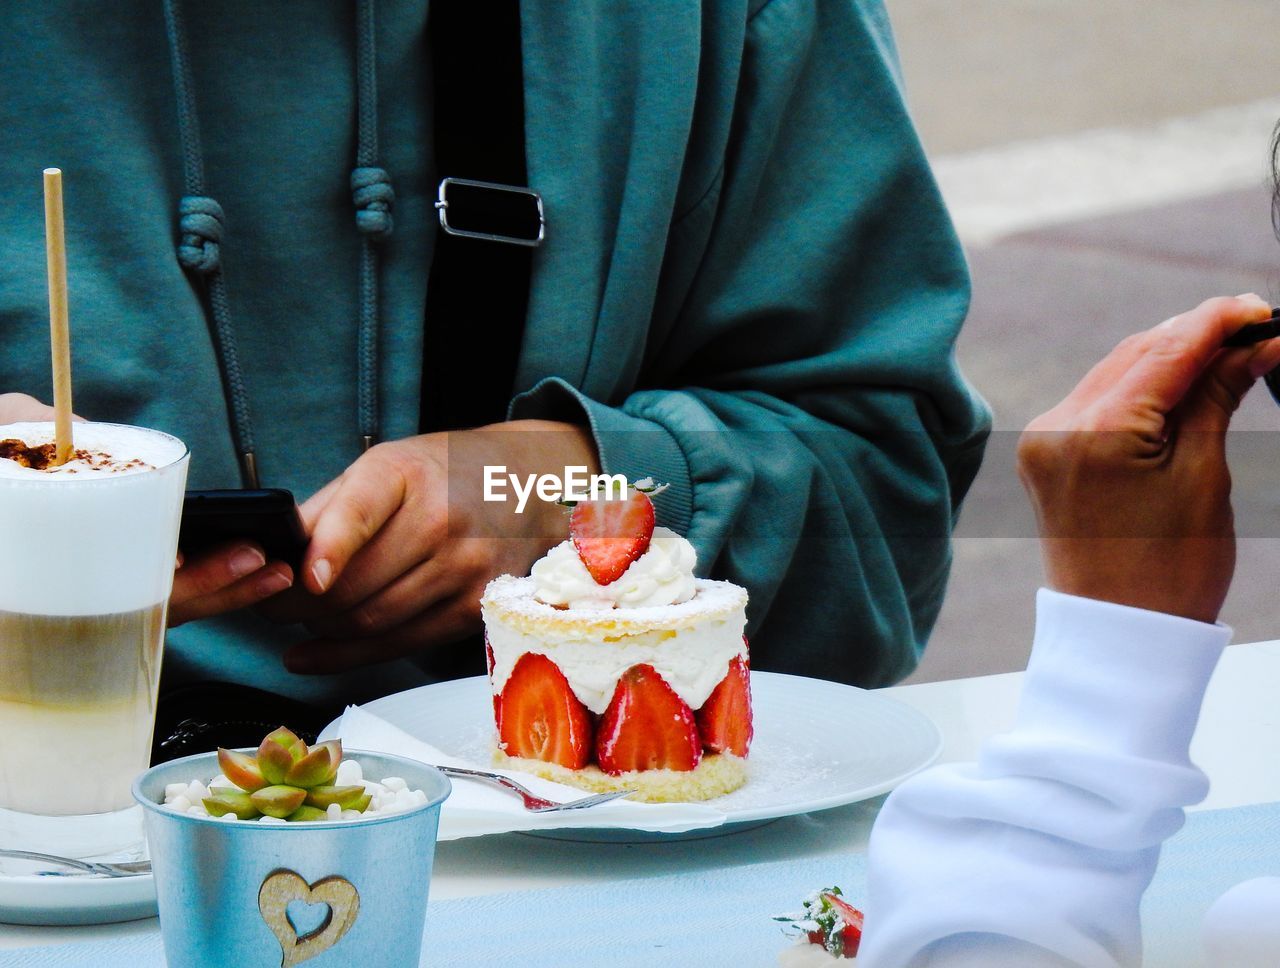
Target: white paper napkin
{"x":476,"y":808}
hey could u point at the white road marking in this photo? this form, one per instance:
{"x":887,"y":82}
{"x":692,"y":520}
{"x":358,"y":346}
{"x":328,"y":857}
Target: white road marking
{"x":997,"y":192}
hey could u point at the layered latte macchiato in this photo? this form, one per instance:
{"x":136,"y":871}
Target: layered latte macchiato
{"x":85,"y":577}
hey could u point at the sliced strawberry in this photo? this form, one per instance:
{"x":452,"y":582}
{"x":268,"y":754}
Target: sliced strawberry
{"x":851,"y":933}
{"x":539,"y":717}
{"x":609,"y":535}
{"x":724,"y":721}
{"x":647,"y":726}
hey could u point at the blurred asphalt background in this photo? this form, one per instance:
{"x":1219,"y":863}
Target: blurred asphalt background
{"x":1105,"y":161}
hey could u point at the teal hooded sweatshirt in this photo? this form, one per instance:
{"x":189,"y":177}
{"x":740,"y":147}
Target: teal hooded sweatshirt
{"x":749,"y":289}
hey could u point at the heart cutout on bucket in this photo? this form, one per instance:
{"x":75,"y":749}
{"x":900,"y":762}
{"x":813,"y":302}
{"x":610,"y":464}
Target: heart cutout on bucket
{"x":308,"y":917}
{"x":283,"y":887}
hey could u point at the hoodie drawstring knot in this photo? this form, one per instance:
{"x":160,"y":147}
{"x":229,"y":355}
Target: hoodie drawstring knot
{"x":373,"y":195}
{"x":200,"y":223}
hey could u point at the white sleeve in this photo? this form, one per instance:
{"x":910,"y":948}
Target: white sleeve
{"x":1038,"y":854}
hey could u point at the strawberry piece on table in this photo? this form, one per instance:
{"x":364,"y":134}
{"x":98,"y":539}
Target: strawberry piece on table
{"x":609,"y":535}
{"x":851,"y":933}
{"x":830,"y":922}
{"x":647,"y":727}
{"x":724,"y":721}
{"x":540,"y":718}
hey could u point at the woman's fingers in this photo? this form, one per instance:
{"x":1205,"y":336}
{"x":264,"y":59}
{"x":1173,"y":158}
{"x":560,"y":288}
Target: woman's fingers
{"x":234,"y":576}
{"x":1179,"y":353}
{"x":369,"y":493}
{"x":398,"y":602}
{"x":1217,"y":395}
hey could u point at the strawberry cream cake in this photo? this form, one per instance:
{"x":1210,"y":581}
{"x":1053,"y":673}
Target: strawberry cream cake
{"x":613,"y":667}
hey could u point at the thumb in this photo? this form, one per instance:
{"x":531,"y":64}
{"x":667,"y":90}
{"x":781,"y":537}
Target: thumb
{"x":1217,"y":394}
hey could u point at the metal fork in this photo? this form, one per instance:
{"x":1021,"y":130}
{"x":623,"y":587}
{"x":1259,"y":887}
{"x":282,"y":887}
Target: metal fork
{"x":128,"y":869}
{"x":533,"y":802}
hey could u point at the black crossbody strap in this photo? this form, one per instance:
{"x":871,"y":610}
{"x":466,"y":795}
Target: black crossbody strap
{"x":478,"y":290}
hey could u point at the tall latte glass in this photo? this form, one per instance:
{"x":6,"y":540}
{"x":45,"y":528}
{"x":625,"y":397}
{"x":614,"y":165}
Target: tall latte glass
{"x":86,"y":566}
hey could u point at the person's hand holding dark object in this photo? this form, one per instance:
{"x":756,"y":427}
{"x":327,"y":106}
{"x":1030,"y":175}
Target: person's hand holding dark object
{"x":403,"y":544}
{"x":1128,"y":474}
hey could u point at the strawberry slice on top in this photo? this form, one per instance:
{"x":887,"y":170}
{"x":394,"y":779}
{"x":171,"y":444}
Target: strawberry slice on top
{"x":610,"y":534}
{"x":540,"y":718}
{"x":724,"y":721}
{"x":646,"y":727}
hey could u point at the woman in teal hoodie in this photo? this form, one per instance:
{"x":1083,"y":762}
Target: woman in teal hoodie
{"x":749,"y":289}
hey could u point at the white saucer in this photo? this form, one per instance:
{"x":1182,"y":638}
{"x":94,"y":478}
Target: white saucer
{"x":30,"y":898}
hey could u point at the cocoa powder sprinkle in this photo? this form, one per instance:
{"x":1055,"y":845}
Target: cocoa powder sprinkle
{"x":40,"y":457}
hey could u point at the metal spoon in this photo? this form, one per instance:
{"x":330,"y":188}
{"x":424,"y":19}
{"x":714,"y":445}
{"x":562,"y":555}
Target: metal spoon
{"x":80,"y":867}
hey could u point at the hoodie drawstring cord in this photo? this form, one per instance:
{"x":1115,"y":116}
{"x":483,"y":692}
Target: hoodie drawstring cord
{"x":201,"y":229}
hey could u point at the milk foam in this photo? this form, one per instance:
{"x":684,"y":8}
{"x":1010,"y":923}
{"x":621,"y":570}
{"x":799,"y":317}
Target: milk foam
{"x":112,"y":449}
{"x":95,"y":542}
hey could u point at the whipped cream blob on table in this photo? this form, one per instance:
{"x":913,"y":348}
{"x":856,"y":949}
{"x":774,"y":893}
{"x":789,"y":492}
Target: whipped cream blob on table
{"x":612,"y":666}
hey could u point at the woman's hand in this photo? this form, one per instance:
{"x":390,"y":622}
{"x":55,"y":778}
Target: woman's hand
{"x":1128,"y":475}
{"x":237,"y":575}
{"x":402,"y":544}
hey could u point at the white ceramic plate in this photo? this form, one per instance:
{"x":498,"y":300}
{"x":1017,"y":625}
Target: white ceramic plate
{"x":817,"y":745}
{"x":28,"y":898}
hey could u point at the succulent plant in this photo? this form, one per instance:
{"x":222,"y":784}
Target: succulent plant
{"x":284,"y":779}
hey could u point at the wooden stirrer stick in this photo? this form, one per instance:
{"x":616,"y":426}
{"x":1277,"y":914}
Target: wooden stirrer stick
{"x":55,"y":244}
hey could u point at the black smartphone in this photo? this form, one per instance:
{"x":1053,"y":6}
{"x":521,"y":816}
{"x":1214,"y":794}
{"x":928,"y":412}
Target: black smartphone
{"x":268,"y":517}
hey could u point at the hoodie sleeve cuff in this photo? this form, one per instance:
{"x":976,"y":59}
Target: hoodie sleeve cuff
{"x":626,"y":444}
{"x":1121,"y":677}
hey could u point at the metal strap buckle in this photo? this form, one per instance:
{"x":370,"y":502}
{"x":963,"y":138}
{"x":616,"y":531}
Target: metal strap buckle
{"x":503,"y":207}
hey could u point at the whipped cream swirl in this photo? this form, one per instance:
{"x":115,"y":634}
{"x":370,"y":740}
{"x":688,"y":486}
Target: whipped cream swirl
{"x":663,"y":575}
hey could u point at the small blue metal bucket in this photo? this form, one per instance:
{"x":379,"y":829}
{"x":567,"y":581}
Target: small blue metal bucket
{"x":325,"y":893}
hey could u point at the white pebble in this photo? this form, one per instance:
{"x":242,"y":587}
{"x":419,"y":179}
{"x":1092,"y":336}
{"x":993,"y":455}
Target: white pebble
{"x":196,"y":811}
{"x":173,"y":791}
{"x":197,"y":791}
{"x":353,"y":814}
{"x":334,"y":811}
{"x":228,"y":816}
{"x":405,"y":799}
{"x":271,"y":820}
{"x":180,"y":803}
{"x":419,"y":797}
{"x":394,"y":783}
{"x":349,"y":773}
